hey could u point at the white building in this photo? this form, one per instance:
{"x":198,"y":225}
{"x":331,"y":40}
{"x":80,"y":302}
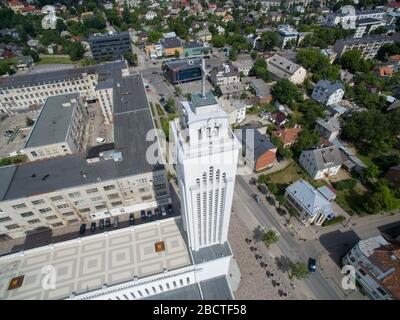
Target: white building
{"x":243,"y":66}
{"x":59,"y":129}
{"x":311,"y":205}
{"x":224,"y":75}
{"x":377,"y":267}
{"x":19,"y":93}
{"x":328,"y":93}
{"x":235,"y":109}
{"x":321,"y":163}
{"x":207,"y":154}
{"x":286,"y":34}
{"x":282,"y":68}
{"x":150,"y":15}
{"x":329,"y":128}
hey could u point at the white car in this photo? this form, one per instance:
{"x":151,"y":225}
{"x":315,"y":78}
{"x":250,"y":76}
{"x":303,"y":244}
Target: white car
{"x":101,"y":140}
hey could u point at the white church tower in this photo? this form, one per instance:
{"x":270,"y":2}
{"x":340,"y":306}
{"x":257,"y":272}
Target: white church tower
{"x":206,"y":155}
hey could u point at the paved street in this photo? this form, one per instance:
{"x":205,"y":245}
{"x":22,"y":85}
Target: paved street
{"x":316,"y":286}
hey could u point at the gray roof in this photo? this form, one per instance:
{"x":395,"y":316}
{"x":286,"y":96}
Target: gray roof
{"x":184,"y":63}
{"x":216,"y":289}
{"x":261,"y":87}
{"x":30,"y":79}
{"x":108,"y":36}
{"x":190,"y":292}
{"x":171,"y":42}
{"x":131,"y":124}
{"x":368,"y":21}
{"x":54,"y":121}
{"x":325,"y":157}
{"x":199,"y":101}
{"x":329,"y":87}
{"x":105,"y":84}
{"x":330,"y":124}
{"x":211,"y":253}
{"x":367,"y":39}
{"x":309,"y":197}
{"x":6,"y":175}
{"x":262,"y":143}
{"x":193,"y":44}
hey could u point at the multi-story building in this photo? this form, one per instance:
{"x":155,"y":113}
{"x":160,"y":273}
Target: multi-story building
{"x":181,"y":71}
{"x":282,"y":68}
{"x":286,"y":34}
{"x":329,"y":128}
{"x":328,"y":93}
{"x":195,"y":48}
{"x":348,"y":19}
{"x":207,"y":153}
{"x":366,"y":26}
{"x":311,"y":205}
{"x":235,"y":109}
{"x":59,"y":130}
{"x":224,"y":74}
{"x":376,"y":263}
{"x":19,"y":93}
{"x":64,"y":190}
{"x":243,"y":65}
{"x":368,"y":46}
{"x":321,"y":163}
{"x":171,"y":45}
{"x":110,"y":46}
{"x":104,"y":93}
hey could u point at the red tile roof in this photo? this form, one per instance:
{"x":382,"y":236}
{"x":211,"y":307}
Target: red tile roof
{"x":287,"y":136}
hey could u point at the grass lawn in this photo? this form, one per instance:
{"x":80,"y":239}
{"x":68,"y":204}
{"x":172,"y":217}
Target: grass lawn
{"x":56,"y":60}
{"x":351,"y":200}
{"x":160,"y":110}
{"x":290,"y":174}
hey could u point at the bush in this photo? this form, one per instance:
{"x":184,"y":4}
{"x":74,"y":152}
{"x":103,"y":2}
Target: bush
{"x":345,"y":184}
{"x":333,"y":221}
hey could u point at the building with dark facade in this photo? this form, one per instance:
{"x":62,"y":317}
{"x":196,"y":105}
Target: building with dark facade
{"x":183,"y":70}
{"x":112,"y":45}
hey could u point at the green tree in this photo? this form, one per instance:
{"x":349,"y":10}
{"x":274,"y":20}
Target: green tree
{"x":218,"y":41}
{"x":270,"y":237}
{"x":285,"y":91}
{"x":269,"y":40}
{"x":281,"y":200}
{"x":29,"y":121}
{"x":131,"y":58}
{"x":154,"y":36}
{"x":177,"y":54}
{"x":298,"y":270}
{"x":352,"y":60}
{"x":307,"y":139}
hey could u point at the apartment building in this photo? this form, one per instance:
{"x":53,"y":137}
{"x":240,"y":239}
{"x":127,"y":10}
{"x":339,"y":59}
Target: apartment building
{"x":224,"y":75}
{"x":368,"y":46}
{"x":377,"y":267}
{"x":79,"y":188}
{"x":282,"y":68}
{"x":111,"y":45}
{"x":59,"y":130}
{"x":286,"y":34}
{"x":19,"y":93}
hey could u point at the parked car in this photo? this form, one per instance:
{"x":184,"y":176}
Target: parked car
{"x":256,"y":197}
{"x":116,"y":222}
{"x":92,"y":116}
{"x":142,"y":215}
{"x":157,"y":212}
{"x":163,"y":211}
{"x":149,"y":215}
{"x":170,"y":209}
{"x":312,"y":265}
{"x":82,"y":229}
{"x":131,"y":219}
{"x":101,"y":140}
{"x":101,"y":224}
{"x":93,"y":227}
{"x":108,"y":223}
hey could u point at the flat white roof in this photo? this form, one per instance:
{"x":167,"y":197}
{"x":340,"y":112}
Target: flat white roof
{"x":86,"y":264}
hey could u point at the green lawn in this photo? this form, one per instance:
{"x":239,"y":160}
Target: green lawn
{"x":351,"y":200}
{"x":290,"y":174}
{"x":55,"y":60}
{"x":160,"y":110}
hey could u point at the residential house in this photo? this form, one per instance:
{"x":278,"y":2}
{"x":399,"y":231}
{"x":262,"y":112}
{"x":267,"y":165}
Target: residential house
{"x":220,"y":12}
{"x":384,"y":71}
{"x":150,"y":15}
{"x":287,"y":34}
{"x":288,"y":136}
{"x":235,"y":109}
{"x":204,"y":35}
{"x":227,"y":18}
{"x":282,"y":68}
{"x":311,"y":205}
{"x":321,"y":163}
{"x":327,"y":93}
{"x":347,"y":77}
{"x":259,"y":152}
{"x":243,"y":65}
{"x":329,"y":128}
{"x":376,"y":263}
{"x":274,"y":16}
{"x":255,"y":41}
{"x":224,"y":75}
{"x":278,"y":118}
{"x":261,"y":90}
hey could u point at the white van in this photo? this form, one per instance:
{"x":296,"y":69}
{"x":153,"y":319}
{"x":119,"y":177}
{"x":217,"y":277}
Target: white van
{"x":101,"y":140}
